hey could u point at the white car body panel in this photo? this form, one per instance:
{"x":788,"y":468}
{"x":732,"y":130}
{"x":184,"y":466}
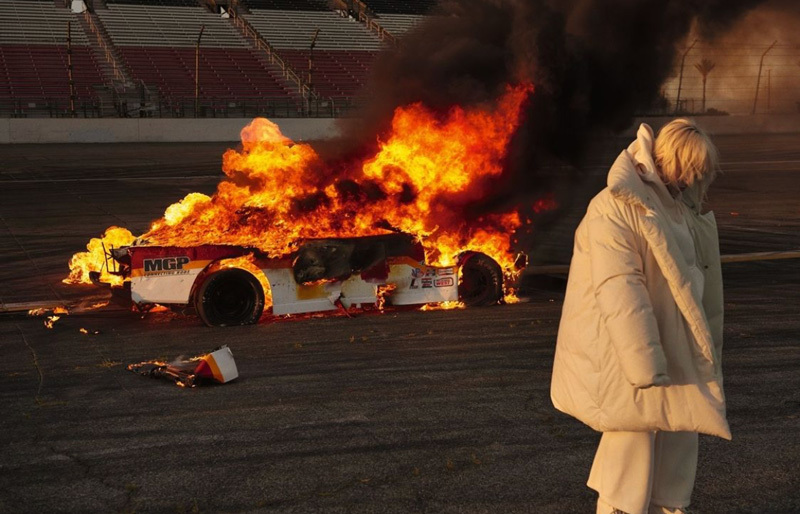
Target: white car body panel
{"x":168,"y":287}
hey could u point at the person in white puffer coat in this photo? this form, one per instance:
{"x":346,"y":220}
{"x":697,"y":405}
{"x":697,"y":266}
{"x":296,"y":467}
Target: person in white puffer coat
{"x":640,"y":338}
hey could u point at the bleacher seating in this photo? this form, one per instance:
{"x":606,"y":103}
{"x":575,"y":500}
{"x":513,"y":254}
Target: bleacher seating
{"x":29,"y":22}
{"x":161,"y":3}
{"x":40,"y":71}
{"x":399,"y":24}
{"x":401,"y":6}
{"x":158,"y":45}
{"x":33,"y":53}
{"x":150,"y":25}
{"x":294,"y":29}
{"x":343,"y":53}
{"x":156,"y":39}
{"x":232,"y":73}
{"x":335,"y":73}
{"x":289,"y":5}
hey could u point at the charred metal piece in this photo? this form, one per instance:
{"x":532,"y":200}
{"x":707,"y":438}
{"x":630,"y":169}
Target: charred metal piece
{"x":217,"y":366}
{"x":337,"y":259}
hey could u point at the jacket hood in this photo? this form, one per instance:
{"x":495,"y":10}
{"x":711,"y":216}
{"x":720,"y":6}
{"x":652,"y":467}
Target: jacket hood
{"x":635,"y":166}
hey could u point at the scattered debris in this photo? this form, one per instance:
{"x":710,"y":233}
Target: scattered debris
{"x":88,"y":332}
{"x":50,"y":321}
{"x":43,"y":308}
{"x":443,"y":306}
{"x":41,"y":311}
{"x":217,"y":366}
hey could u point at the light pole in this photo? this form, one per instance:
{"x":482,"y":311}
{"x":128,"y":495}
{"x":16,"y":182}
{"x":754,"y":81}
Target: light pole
{"x":197,"y":71}
{"x":680,"y":78}
{"x":311,"y":68}
{"x":760,"y":66}
{"x":69,"y":71}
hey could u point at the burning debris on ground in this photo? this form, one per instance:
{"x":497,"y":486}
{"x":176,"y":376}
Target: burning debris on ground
{"x":40,"y":311}
{"x":50,"y":322}
{"x":217,"y":366}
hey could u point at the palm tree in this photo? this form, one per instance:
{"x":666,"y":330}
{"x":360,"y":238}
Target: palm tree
{"x":704,"y":67}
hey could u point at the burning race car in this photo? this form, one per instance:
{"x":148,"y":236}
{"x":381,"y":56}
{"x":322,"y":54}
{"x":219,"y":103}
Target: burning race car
{"x":290,"y":229}
{"x":232,"y":285}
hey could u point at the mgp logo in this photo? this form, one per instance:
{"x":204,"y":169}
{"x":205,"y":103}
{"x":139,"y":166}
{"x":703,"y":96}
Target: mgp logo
{"x":166,"y":265}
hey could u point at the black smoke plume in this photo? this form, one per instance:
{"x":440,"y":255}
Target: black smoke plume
{"x":594,"y":64}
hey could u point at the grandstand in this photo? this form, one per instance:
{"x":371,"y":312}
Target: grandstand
{"x":399,"y":17}
{"x":341,"y":56}
{"x":417,"y":7}
{"x":399,"y":24}
{"x":139,"y":56}
{"x":33,"y":59}
{"x":157,"y":44}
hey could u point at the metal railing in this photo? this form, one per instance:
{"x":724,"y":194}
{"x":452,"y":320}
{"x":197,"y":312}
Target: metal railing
{"x":261,"y":44}
{"x":147,"y":105}
{"x":373,"y":25}
{"x":366,"y":16}
{"x":101,"y":42}
{"x":39,"y":107}
{"x":226,"y":107}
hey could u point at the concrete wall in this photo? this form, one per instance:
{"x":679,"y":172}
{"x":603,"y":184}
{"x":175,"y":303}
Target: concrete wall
{"x":149,"y":130}
{"x":165,"y":130}
{"x":5,"y":136}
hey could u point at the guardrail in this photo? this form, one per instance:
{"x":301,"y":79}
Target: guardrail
{"x":563,"y":269}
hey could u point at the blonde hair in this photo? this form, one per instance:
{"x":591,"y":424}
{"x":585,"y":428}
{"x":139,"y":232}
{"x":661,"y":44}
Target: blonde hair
{"x":685,"y":155}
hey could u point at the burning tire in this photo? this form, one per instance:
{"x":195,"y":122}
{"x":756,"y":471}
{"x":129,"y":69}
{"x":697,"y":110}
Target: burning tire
{"x":230,"y":297}
{"x":481,"y":280}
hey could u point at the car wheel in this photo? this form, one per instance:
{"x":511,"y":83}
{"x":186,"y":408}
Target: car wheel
{"x":230,"y":297}
{"x":481,"y":281}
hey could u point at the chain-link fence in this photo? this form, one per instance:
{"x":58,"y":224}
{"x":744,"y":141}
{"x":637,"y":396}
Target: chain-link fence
{"x":178,"y":107}
{"x":734,"y":79}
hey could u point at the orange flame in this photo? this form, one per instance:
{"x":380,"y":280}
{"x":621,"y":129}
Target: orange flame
{"x":94,"y":258}
{"x":383,"y":292}
{"x":442,"y":306}
{"x":423,"y":175}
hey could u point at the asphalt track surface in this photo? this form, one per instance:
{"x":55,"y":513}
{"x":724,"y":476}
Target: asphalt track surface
{"x":406,"y":411}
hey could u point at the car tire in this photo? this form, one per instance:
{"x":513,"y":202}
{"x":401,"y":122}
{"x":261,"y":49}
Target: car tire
{"x":230,"y":297}
{"x":481,"y":281}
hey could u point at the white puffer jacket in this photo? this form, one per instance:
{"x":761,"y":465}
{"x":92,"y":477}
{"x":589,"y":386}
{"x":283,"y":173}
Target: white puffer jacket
{"x":631,"y":313}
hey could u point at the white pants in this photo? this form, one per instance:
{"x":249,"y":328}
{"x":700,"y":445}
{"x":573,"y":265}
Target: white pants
{"x":634,"y":471}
